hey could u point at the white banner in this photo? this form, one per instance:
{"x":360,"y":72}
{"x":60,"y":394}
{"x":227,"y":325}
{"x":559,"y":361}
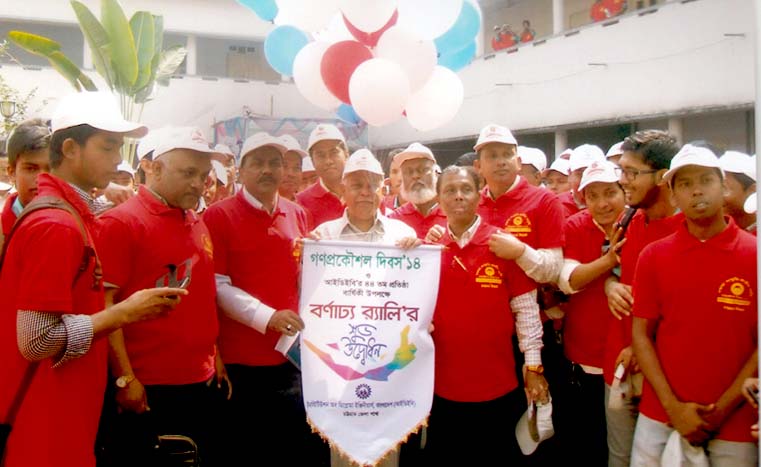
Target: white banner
{"x":366,"y":353}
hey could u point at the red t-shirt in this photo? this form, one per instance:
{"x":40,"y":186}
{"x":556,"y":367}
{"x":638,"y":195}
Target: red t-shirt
{"x":256,"y":251}
{"x":598,"y":12}
{"x":7,"y":216}
{"x":703,"y":297}
{"x":534,"y":215}
{"x":58,"y":420}
{"x":390,"y":203}
{"x":412,"y":217}
{"x":586,"y":312}
{"x":139,"y":239}
{"x":321,"y":204}
{"x":640,"y":234}
{"x":474,"y":360}
{"x":569,"y":204}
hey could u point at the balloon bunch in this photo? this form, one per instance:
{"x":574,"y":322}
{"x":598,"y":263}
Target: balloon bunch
{"x":375,"y":60}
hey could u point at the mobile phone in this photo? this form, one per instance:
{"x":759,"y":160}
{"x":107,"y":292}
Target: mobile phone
{"x":626,"y":218}
{"x":182,"y":285}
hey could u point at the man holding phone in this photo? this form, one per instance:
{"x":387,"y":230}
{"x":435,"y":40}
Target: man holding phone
{"x":170,"y":366}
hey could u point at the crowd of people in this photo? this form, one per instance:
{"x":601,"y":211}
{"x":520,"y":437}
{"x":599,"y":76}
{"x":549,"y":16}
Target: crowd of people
{"x":618,"y":327}
{"x":505,"y":37}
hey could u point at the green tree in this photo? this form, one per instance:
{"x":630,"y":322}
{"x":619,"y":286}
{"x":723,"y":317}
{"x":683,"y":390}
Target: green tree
{"x":127,"y":54}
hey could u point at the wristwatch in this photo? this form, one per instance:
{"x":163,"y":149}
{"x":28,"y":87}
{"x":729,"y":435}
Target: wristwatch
{"x":123,"y":381}
{"x":538,"y":369}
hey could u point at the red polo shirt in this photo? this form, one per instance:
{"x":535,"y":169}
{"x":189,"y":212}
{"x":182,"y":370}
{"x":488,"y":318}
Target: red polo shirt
{"x":321,"y":204}
{"x":473,"y":321}
{"x":7,"y":216}
{"x":707,"y":321}
{"x":534,"y":215}
{"x":422,"y":224}
{"x":640,"y":234}
{"x":58,"y":420}
{"x":586,"y":312}
{"x":569,"y":204}
{"x":256,"y":251}
{"x":140,"y":238}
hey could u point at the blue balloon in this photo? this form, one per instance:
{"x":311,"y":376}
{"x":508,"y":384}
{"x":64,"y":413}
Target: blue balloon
{"x":281,"y":46}
{"x":346,"y":113}
{"x":458,"y":59}
{"x":464,"y":30}
{"x":264,"y":9}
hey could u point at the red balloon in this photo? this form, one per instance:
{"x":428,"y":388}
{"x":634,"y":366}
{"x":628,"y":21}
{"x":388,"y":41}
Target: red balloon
{"x":338,"y":64}
{"x":370,"y":39}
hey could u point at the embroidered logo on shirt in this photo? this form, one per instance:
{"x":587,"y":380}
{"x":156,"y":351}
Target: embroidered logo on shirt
{"x":489,"y":276}
{"x":518,"y":224}
{"x":735,"y":294}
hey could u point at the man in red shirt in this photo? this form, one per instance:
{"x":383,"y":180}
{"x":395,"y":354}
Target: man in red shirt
{"x":533,"y":164}
{"x":169,"y":366}
{"x":422,"y":211}
{"x":257,"y":305}
{"x":52,"y":310}
{"x":647,"y":155}
{"x":27,"y":157}
{"x":581,"y":158}
{"x":706,"y":343}
{"x":323,"y":200}
{"x":740,"y":179}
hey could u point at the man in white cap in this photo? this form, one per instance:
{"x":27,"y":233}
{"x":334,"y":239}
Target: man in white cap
{"x":172,"y":365}
{"x":646,"y":158}
{"x":53,"y":309}
{"x":585,"y":326}
{"x":533,"y":163}
{"x":556,"y":176}
{"x":257,"y":297}
{"x":740,"y":179}
{"x":581,"y":158}
{"x":615,"y":152}
{"x":293,"y":160}
{"x":323,"y":200}
{"x":421,"y":211}
{"x":706,"y":343}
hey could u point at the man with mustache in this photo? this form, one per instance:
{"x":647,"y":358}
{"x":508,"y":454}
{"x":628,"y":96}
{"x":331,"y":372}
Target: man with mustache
{"x":422,"y":211}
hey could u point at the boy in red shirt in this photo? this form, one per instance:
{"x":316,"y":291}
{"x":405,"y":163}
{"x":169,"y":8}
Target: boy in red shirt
{"x":706,"y":343}
{"x":52,"y":311}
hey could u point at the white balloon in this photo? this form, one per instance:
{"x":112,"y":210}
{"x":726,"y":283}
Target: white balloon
{"x":437,"y":102}
{"x":379,"y":90}
{"x":417,"y":57}
{"x":307,"y":15}
{"x":428,"y":18}
{"x":335,"y":32}
{"x":368,"y":15}
{"x":308,"y":79}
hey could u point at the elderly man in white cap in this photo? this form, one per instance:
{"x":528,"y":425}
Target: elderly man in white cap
{"x":421,"y":211}
{"x":257,"y":297}
{"x":533,"y":163}
{"x":740,"y":178}
{"x":172,"y":365}
{"x":582,"y":157}
{"x":293,"y":161}
{"x":697,"y":288}
{"x":53,"y":306}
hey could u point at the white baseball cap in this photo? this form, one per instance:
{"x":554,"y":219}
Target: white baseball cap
{"x":363,"y":159}
{"x":259,"y":140}
{"x":565,"y":154}
{"x":307,"y":165}
{"x":615,"y":150}
{"x":219,"y":171}
{"x":534,"y":426}
{"x":98,"y":109}
{"x":692,"y":155}
{"x":561,"y":165}
{"x":125,"y":167}
{"x":224,"y":149}
{"x":494,"y":134}
{"x":324,"y":131}
{"x":584,"y":155}
{"x":751,"y":204}
{"x":414,"y":151}
{"x":148,"y":143}
{"x":292,"y":144}
{"x":533,"y":156}
{"x":739,"y":163}
{"x":604,"y":172}
{"x":183,"y":137}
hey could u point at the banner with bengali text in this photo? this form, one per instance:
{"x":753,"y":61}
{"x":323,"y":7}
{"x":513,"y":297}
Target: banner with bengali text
{"x":366,"y":353}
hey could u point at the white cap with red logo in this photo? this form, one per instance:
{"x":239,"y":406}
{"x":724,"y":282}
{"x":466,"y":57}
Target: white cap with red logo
{"x":363,"y":159}
{"x":324,"y":131}
{"x":183,"y":137}
{"x":533,"y":156}
{"x":604,"y":171}
{"x":584,"y":155}
{"x":98,"y":109}
{"x":692,"y":155}
{"x":494,"y":134}
{"x":414,"y":151}
{"x":259,"y":140}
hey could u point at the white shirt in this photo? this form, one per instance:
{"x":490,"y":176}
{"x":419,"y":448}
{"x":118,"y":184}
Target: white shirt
{"x":384,"y":230}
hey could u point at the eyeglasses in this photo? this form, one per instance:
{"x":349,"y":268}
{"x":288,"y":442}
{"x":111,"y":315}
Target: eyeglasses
{"x":631,"y":174}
